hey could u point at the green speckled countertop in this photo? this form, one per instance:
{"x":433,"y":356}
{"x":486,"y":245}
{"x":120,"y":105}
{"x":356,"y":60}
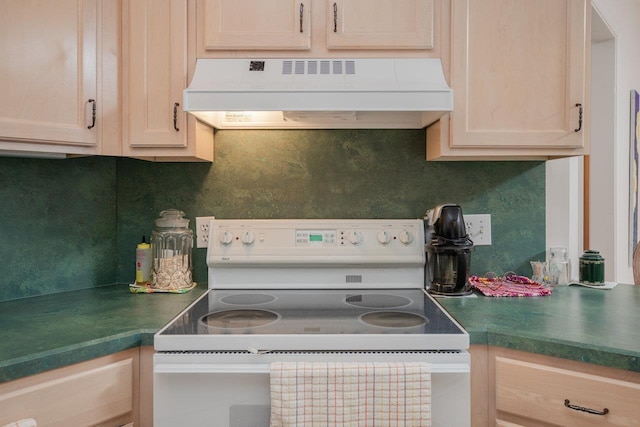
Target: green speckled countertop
{"x":47,"y":332}
{"x":590,"y":325}
{"x":51,"y":331}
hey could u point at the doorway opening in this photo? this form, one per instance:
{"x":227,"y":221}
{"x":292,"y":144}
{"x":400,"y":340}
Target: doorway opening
{"x":599,"y":168}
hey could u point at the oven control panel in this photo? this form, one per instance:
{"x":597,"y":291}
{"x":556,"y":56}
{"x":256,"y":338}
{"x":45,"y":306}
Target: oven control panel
{"x":288,"y":253}
{"x":309,"y":239}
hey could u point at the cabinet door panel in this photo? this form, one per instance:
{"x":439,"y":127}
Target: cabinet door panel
{"x":380,"y":24}
{"x":49,"y":70}
{"x":155,"y":67}
{"x":519,"y":73}
{"x":256,"y":24}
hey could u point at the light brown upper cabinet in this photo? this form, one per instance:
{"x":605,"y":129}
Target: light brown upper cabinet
{"x":58,"y":76}
{"x":380,"y":24}
{"x":520,"y":75}
{"x":255,"y":24}
{"x":333,"y":28}
{"x":155,"y":68}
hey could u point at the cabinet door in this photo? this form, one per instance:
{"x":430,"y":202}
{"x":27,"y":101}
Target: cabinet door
{"x":98,"y":392}
{"x":155,"y":65}
{"x":380,"y":24}
{"x":519,"y":73}
{"x":255,"y":24}
{"x":49,"y":71}
{"x":155,"y":73}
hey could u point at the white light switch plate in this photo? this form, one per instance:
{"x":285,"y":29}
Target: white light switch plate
{"x":479,"y":228}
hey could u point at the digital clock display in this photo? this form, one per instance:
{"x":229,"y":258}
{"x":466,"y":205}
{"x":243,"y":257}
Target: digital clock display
{"x":316,"y":238}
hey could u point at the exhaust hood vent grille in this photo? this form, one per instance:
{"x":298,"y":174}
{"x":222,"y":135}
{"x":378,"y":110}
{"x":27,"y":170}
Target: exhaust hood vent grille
{"x":318,"y":93}
{"x":325,"y":67}
{"x":350,"y":67}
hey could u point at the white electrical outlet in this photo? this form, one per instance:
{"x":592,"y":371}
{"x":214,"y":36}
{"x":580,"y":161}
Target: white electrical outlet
{"x":478,"y":228}
{"x":202,"y":230}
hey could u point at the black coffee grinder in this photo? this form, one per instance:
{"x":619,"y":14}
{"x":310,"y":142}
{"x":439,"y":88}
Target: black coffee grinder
{"x":448,"y":249}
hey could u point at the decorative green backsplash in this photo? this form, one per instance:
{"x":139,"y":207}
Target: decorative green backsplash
{"x":70,"y":224}
{"x":335,"y":174}
{"x":58,"y":225}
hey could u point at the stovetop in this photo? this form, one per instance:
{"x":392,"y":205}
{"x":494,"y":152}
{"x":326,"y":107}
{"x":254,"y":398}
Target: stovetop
{"x":375,"y":319}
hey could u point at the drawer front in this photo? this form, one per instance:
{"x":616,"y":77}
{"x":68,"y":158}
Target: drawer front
{"x":539,"y":392}
{"x":71,"y":397}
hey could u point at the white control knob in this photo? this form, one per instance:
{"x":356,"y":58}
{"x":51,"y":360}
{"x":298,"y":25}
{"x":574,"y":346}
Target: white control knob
{"x":355,"y":237}
{"x":384,"y":237}
{"x":226,"y":237}
{"x":405,"y":237}
{"x":248,"y":237}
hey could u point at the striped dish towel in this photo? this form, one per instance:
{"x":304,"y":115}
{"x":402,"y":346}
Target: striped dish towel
{"x":305,"y":394}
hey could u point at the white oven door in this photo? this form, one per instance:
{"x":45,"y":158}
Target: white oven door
{"x":231,"y":389}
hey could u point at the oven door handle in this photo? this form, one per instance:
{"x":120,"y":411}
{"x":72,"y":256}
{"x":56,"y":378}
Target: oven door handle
{"x":211,"y":368}
{"x":263,"y":368}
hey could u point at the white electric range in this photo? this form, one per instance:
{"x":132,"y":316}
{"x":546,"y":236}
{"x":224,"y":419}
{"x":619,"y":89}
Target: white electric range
{"x":305,"y":290}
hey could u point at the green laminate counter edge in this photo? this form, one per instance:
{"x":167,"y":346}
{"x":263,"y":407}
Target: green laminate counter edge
{"x":52,"y":331}
{"x":587,"y":325}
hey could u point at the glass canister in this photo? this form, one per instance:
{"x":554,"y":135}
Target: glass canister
{"x":171,"y":248}
{"x":559,"y":267}
{"x":539,"y":271}
{"x":591,"y":268}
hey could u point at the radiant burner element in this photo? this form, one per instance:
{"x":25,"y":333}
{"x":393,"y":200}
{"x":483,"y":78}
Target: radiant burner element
{"x":230,"y":319}
{"x":247,"y":299}
{"x":393,"y":319}
{"x":377,"y":301}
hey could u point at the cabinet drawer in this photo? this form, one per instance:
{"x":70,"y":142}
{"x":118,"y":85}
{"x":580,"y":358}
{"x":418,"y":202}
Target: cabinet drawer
{"x":539,"y":392}
{"x":88,"y":394}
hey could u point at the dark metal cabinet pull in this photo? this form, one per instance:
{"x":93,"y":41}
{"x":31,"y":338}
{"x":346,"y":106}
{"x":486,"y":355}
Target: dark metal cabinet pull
{"x":568,"y":404}
{"x":175,"y":116}
{"x":93,"y":114}
{"x":335,"y":17}
{"x":301,"y":15}
{"x":579,"y":118}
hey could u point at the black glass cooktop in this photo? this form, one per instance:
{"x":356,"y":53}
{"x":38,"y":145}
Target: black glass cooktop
{"x":295,"y":312}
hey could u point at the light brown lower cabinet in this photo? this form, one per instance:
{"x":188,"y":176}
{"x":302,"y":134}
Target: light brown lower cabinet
{"x":508,"y":388}
{"x":514,"y":388}
{"x":105,"y":391}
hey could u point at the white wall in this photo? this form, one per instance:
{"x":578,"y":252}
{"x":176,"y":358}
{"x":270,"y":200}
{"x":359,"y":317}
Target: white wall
{"x":564,"y":207}
{"x":603,"y":208}
{"x":564,"y":212}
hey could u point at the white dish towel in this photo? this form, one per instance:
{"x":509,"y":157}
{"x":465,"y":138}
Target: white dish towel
{"x":305,"y":394}
{"x":27,"y":422}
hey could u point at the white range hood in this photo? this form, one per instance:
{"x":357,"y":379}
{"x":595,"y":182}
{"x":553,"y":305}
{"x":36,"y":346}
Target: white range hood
{"x":318,"y":93}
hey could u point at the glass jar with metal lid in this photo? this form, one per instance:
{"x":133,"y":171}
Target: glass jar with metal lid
{"x":171,"y":248}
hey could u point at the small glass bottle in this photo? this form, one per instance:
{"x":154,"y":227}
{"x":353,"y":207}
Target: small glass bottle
{"x":559,"y":267}
{"x":171,"y":246}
